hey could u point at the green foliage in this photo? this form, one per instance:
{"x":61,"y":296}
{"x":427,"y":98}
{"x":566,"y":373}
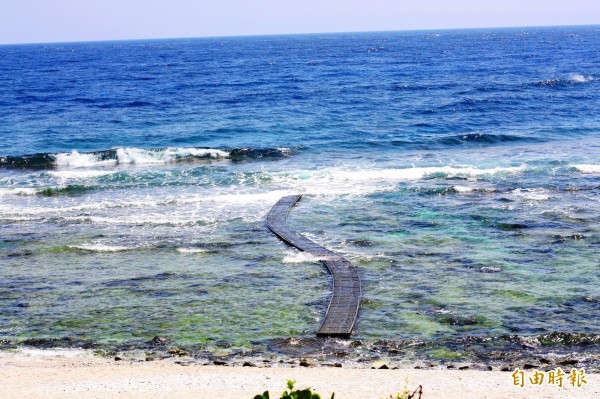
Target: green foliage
{"x":401,"y":395}
{"x":307,"y":393}
{"x":290,"y":393}
{"x":405,"y":394}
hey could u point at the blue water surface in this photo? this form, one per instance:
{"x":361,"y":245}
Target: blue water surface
{"x":458,"y":170}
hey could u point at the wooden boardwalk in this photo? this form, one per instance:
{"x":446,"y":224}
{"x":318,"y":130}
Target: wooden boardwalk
{"x":343,"y":307}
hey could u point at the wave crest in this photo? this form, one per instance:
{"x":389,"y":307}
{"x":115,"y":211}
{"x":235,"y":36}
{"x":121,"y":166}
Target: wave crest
{"x":25,"y":191}
{"x":143,"y":156}
{"x":574,"y":78}
{"x":101,"y":248}
{"x":579,"y":78}
{"x":587,"y":168}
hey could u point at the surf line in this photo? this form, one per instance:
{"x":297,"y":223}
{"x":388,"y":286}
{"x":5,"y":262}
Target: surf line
{"x":343,"y":308}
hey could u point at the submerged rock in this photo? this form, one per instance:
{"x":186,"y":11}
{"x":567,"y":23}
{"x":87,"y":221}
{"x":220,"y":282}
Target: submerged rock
{"x":158,"y":340}
{"x":567,"y":361}
{"x":490,"y":269}
{"x":380,"y":365}
{"x":178,"y":352}
{"x":184,"y":363}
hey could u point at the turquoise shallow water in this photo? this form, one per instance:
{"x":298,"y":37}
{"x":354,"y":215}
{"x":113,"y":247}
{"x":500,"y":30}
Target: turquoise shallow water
{"x":457,"y":170}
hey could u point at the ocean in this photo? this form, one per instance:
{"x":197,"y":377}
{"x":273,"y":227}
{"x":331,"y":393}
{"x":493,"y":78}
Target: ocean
{"x":458,"y":170}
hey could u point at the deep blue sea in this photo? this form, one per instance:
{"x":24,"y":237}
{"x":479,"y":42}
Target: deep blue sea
{"x":458,"y":170}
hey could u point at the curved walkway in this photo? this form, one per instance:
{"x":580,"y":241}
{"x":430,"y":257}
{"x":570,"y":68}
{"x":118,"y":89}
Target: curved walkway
{"x":343,"y":307}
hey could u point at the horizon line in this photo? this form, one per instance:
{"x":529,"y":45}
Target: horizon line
{"x":296,"y":34}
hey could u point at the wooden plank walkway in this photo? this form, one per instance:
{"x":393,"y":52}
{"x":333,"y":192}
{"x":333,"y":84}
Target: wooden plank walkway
{"x":343,"y":307}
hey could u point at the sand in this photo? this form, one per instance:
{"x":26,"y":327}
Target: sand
{"x":48,"y":375}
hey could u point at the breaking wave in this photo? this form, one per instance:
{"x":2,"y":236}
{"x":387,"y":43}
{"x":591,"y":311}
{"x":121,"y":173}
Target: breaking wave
{"x":467,"y":189}
{"x":101,"y":248}
{"x":121,"y":155}
{"x":579,"y":78}
{"x":18,"y":191}
{"x":67,"y":190}
{"x":587,"y":168}
{"x":187,"y":250}
{"x":575,"y":78}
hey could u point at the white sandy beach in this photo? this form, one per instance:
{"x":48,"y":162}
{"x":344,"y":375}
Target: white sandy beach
{"x":52,"y":376}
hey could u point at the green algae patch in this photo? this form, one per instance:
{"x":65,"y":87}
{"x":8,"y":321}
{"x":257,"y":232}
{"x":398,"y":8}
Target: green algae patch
{"x":370,"y":303}
{"x":521,"y":297}
{"x":58,"y":249}
{"x":445,"y":354}
{"x":423,"y":324}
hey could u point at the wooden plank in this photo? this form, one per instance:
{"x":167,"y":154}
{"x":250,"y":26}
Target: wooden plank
{"x":343,"y":308}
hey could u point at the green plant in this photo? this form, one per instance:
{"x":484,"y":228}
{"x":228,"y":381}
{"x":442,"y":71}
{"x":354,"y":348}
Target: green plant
{"x":405,"y":394}
{"x":305,"y":393}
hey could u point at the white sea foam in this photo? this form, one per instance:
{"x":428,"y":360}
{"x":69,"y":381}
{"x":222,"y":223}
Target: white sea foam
{"x":468,"y":189}
{"x":131,"y":220}
{"x":54,"y":353}
{"x":203,"y":207}
{"x":301,"y":257}
{"x":463,"y":189}
{"x":183,"y":209}
{"x":102,"y":247}
{"x":366,"y":181}
{"x":74,"y":159}
{"x":192,"y":250}
{"x":79,"y":174}
{"x":240,"y":198}
{"x":420,"y":173}
{"x":140,"y":156}
{"x":579,"y":78}
{"x":535,"y":194}
{"x":10,"y":218}
{"x":84,"y":207}
{"x":147,"y":219}
{"x":587,"y":168}
{"x":20,"y":191}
